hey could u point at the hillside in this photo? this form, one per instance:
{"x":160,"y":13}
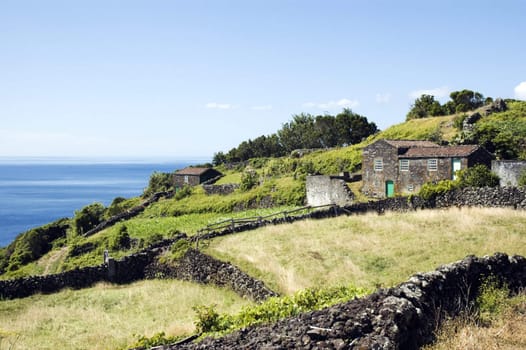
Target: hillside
{"x":365,"y":251}
{"x":277,"y":182}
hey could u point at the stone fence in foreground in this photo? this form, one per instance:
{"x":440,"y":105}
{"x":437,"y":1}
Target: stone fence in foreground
{"x":403,"y":317}
{"x":194,"y":266}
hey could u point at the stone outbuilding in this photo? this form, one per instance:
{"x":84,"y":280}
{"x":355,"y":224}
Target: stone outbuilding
{"x":392,"y":167}
{"x":193,"y":176}
{"x":509,"y":171}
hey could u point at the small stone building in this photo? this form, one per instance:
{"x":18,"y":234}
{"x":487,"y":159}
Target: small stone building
{"x":326,"y":190}
{"x":509,"y":171}
{"x":192,"y":176}
{"x":392,"y":167}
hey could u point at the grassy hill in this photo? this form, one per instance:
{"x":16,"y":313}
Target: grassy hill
{"x":365,"y":251}
{"x":279,"y":183}
{"x":368,"y":251}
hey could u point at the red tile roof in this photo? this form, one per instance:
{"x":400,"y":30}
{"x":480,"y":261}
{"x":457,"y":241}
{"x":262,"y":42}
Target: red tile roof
{"x":440,"y":152}
{"x":192,"y":171}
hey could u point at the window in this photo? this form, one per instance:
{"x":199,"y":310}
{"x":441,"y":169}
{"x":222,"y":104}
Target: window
{"x":432,"y":164}
{"x":404,"y":164}
{"x":378,"y":164}
{"x":186,"y":179}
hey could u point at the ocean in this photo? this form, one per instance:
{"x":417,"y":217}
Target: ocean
{"x":34,"y":192}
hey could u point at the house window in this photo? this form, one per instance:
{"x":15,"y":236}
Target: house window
{"x":378,"y":164}
{"x":404,"y":164}
{"x":186,"y":179}
{"x":432,"y":164}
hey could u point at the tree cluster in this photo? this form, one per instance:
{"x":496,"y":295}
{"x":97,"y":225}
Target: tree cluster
{"x":304,"y":131}
{"x":461,"y":101}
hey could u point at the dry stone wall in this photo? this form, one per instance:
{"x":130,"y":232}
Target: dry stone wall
{"x":403,"y":317}
{"x":128,"y":269}
{"x":201,"y":268}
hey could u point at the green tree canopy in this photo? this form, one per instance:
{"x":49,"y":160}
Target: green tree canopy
{"x":304,"y":131}
{"x":425,"y":106}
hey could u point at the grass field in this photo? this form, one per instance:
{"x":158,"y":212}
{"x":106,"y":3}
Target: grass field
{"x":370,"y":250}
{"x":364,"y":250}
{"x":106,"y":316}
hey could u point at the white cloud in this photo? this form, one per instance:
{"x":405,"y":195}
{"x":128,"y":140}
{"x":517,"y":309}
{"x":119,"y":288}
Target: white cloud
{"x":342,"y":103}
{"x":214,"y":105}
{"x":520,"y":91}
{"x":439,"y":92}
{"x":262,"y":108}
{"x":383,"y":98}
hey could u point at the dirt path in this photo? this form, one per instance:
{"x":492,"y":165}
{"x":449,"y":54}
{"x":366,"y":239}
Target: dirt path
{"x":53,"y":258}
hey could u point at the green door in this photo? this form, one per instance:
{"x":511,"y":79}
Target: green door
{"x":389,"y":188}
{"x":456,"y":166}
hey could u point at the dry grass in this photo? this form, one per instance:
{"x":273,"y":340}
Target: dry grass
{"x":506,"y":332}
{"x":370,"y":250}
{"x":107,"y":317}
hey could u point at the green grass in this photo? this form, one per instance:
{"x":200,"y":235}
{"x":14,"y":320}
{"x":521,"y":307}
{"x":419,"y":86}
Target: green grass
{"x":370,"y":250}
{"x":106,"y":316}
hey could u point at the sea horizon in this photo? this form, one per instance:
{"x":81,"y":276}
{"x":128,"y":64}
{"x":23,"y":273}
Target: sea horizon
{"x":192,"y":160}
{"x":35,"y":191}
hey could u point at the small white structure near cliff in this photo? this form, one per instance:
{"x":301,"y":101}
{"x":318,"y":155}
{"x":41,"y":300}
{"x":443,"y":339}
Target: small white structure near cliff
{"x":324,"y":190}
{"x":509,"y":171}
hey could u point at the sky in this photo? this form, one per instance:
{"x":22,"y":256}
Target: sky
{"x":182,"y":79}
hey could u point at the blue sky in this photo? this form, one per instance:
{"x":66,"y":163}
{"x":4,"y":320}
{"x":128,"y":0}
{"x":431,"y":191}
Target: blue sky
{"x":181,"y":79}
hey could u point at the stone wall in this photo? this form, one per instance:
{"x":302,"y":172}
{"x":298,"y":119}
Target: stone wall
{"x":201,"y":268}
{"x":509,"y":171}
{"x":325,"y":190}
{"x":128,"y":269}
{"x":403,"y":317}
{"x":128,"y":214}
{"x":220,"y":189}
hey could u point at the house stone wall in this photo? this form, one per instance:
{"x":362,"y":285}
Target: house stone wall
{"x":324,"y":190}
{"x":509,"y":171}
{"x":374,"y":180}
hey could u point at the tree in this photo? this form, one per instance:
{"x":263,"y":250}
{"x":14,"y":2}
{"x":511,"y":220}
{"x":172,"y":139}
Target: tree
{"x":466,"y":100}
{"x":299,"y":133}
{"x":88,"y":217}
{"x":424,"y":106}
{"x":159,"y":182}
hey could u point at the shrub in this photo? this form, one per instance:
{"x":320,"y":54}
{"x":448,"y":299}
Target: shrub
{"x":88,"y":217}
{"x":159,"y":182}
{"x":249,"y":179}
{"x":121,"y":240}
{"x":492,"y":299}
{"x":183,"y":192}
{"x":431,"y":190}
{"x":477,"y":176}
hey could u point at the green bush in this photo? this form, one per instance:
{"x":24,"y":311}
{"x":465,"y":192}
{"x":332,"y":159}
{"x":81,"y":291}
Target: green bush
{"x":477,"y":176}
{"x":431,"y":190}
{"x":121,"y":240}
{"x":249,"y":179}
{"x":88,"y":217}
{"x":492,"y":298}
{"x":31,"y":245}
{"x":183,"y":192}
{"x":159,"y":182}
{"x":274,"y":308}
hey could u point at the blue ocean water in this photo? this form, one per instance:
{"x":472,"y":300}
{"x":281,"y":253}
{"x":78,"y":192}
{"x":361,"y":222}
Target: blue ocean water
{"x":38,"y":191}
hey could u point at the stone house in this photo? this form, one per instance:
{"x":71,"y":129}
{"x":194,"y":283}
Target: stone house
{"x":392,"y":167}
{"x":192,"y":176}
